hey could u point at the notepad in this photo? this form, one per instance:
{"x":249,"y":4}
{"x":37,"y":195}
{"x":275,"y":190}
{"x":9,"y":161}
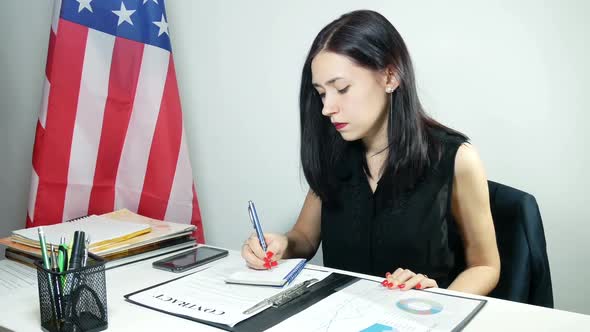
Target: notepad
{"x":100,"y":229}
{"x":281,"y":275}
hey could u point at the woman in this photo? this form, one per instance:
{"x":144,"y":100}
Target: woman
{"x":392,"y":192}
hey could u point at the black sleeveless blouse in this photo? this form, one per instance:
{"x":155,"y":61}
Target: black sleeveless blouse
{"x":373,"y":233}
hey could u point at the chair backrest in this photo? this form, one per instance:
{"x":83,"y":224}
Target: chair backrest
{"x":525,"y":275}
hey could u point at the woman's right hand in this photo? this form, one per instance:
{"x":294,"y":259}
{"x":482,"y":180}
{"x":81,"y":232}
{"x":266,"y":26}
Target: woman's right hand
{"x":256,"y":258}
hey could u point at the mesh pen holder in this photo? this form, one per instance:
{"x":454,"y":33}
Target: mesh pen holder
{"x":73,"y":300}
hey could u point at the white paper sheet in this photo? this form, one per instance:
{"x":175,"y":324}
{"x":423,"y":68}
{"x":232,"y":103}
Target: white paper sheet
{"x":275,"y":276}
{"x":205,"y":295}
{"x":367,"y":306}
{"x":14,"y":276}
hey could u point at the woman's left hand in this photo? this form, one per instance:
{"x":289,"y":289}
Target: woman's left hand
{"x":405,"y":279}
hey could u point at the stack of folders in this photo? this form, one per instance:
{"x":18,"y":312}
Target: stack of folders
{"x":283,"y":274}
{"x":113,"y":236}
{"x":104,"y":233}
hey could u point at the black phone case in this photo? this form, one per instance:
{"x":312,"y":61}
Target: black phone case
{"x":161,"y":264}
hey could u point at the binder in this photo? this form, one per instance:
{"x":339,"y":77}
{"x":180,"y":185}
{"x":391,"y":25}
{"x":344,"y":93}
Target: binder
{"x":336,"y":287}
{"x":273,"y":315}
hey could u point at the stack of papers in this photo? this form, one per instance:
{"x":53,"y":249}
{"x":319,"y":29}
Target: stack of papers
{"x":99,"y":229}
{"x":129,"y":234}
{"x":161,"y":231}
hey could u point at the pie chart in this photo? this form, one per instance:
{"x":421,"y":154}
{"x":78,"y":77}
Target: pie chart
{"x":420,"y":306}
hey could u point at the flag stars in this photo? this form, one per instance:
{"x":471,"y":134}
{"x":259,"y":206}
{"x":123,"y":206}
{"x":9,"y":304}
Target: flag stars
{"x":84,"y":4}
{"x":124,"y":14}
{"x":155,"y":1}
{"x":163,"y":25}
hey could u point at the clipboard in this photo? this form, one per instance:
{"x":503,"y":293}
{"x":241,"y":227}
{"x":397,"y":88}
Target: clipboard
{"x":317,"y":292}
{"x":273,"y":315}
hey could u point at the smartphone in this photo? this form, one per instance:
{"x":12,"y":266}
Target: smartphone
{"x":189,"y":259}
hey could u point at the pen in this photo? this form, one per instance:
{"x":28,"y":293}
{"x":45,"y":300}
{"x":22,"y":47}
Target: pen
{"x":53,"y":258}
{"x":77,"y":250}
{"x":256,"y":224}
{"x":56,"y":284}
{"x":76,"y":258}
{"x":47,"y":266}
{"x":86,"y":246}
{"x":57,"y":289}
{"x":43,"y":246}
{"x":295,"y":272}
{"x":69,"y":254}
{"x":62,"y":259}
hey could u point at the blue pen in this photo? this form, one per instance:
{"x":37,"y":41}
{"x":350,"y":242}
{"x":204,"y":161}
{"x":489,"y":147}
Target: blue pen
{"x":256,"y":223}
{"x":295,"y":272}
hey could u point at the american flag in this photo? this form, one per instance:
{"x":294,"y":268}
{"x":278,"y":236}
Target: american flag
{"x":110,"y":132}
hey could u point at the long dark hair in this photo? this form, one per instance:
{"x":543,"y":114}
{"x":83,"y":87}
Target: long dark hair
{"x":370,"y":40}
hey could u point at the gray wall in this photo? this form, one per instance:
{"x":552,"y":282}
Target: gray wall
{"x":510,"y":74}
{"x":23,"y":50}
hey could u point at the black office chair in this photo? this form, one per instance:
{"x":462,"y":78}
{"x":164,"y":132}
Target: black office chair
{"x":525,"y":276}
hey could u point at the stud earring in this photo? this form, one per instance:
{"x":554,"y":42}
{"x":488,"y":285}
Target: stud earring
{"x":389,"y":89}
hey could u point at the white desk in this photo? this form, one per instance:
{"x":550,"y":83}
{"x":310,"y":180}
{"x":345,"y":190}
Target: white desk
{"x":20,"y":310}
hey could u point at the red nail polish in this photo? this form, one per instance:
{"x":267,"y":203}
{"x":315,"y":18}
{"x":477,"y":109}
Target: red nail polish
{"x":384,"y":282}
{"x":275,"y":263}
{"x":418,"y":285}
{"x":390,"y":285}
{"x":267,"y":265}
{"x":402,"y":285}
{"x":387,"y":274}
{"x":269,"y":254}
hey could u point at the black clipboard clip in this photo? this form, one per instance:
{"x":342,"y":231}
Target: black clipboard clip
{"x":283,"y":297}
